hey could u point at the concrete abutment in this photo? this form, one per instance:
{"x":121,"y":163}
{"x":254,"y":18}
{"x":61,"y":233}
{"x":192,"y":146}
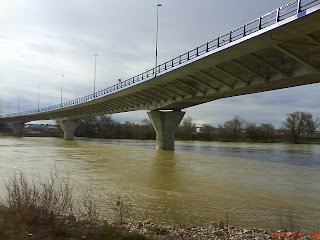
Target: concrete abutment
{"x":165,"y":124}
{"x":17,"y":128}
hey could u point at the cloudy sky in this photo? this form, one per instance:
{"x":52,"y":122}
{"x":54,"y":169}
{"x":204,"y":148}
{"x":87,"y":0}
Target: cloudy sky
{"x":41,"y":40}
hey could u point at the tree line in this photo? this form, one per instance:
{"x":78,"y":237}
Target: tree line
{"x":298,"y":127}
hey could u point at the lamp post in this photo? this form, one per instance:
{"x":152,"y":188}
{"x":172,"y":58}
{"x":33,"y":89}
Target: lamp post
{"x":159,"y":5}
{"x":39,"y":98}
{"x":95,"y":73}
{"x":18,"y":104}
{"x":61,"y":87}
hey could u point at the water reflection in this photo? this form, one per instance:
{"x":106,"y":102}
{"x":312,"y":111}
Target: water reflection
{"x":165,"y":175}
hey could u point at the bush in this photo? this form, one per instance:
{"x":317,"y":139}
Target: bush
{"x":48,"y":209}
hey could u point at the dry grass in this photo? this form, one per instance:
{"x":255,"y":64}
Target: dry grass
{"x":47,"y":209}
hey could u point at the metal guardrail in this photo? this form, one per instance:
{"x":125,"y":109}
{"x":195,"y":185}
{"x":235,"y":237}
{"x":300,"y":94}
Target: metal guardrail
{"x":291,"y":9}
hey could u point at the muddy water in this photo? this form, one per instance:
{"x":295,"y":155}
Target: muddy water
{"x":255,"y":185}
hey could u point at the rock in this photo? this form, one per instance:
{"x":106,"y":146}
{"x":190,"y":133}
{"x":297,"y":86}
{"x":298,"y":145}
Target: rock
{"x":146,"y":222}
{"x":218,"y":223}
{"x":246,"y":231}
{"x":140,"y":224}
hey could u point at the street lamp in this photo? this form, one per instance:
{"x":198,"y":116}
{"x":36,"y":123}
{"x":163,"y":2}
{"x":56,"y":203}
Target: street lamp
{"x":159,"y":5}
{"x":61,"y":88}
{"x":95,"y":72}
{"x":18,"y":104}
{"x":39,"y":98}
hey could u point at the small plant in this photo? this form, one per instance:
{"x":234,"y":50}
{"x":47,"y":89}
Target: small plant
{"x":121,"y":207}
{"x":157,"y":230}
{"x":218,"y":233}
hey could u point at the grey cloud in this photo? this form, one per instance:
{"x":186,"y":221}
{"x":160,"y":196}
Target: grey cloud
{"x":41,"y":40}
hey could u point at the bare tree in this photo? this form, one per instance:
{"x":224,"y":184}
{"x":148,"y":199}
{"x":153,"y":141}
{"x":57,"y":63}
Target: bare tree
{"x":253,"y":132}
{"x":206,"y":132}
{"x":234,"y":127}
{"x":311,"y":125}
{"x":299,"y":123}
{"x":268,"y":132}
{"x":187,"y":129}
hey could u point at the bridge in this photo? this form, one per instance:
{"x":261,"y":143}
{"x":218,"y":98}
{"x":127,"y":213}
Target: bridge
{"x":278,"y":50}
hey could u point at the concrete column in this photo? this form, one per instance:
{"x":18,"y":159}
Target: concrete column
{"x":166,"y":125}
{"x":17,"y":128}
{"x":68,"y":127}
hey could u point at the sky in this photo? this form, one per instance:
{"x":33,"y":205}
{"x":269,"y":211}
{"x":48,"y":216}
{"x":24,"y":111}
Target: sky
{"x":42,"y":40}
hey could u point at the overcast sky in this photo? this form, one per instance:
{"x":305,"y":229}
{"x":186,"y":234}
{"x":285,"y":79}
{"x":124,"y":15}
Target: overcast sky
{"x":41,"y":40}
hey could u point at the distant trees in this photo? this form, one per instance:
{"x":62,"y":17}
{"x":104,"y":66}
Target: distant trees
{"x":298,"y":124}
{"x":263,"y":133}
{"x":298,"y":127}
{"x":187,"y":129}
{"x":206,"y":133}
{"x":105,"y":127}
{"x":231,"y":130}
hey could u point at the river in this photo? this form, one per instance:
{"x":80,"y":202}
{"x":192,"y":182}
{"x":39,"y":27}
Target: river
{"x":246,"y":184}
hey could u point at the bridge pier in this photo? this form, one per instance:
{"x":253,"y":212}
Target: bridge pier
{"x":69,"y":127}
{"x":17,"y":128}
{"x":165,"y":124}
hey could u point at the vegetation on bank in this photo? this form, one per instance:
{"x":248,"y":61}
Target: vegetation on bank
{"x":298,"y":127}
{"x":49,"y":209}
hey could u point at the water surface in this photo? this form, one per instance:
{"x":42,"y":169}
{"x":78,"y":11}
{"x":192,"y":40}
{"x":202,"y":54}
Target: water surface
{"x":199,"y":182}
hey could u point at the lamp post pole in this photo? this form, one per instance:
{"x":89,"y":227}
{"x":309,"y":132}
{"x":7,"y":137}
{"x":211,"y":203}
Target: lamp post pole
{"x":18,"y":104}
{"x":61,"y":87}
{"x":39,"y":98}
{"x":95,"y":73}
{"x":159,"y":5}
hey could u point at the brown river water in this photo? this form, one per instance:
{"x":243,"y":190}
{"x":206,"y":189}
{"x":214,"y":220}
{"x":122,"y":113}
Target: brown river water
{"x":255,"y":185}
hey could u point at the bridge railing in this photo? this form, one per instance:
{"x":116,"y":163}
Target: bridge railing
{"x":291,"y":9}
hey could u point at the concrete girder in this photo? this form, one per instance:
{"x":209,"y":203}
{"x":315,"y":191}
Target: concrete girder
{"x":260,"y":59}
{"x":216,"y":79}
{"x":163,"y":94}
{"x":232,"y":75}
{"x":170,"y":91}
{"x":152,"y":95}
{"x":203,"y":83}
{"x":142,"y":98}
{"x":180,"y":89}
{"x":249,"y":70}
{"x":165,"y":124}
{"x":146,"y":97}
{"x":297,"y":58}
{"x":193,"y":87}
{"x":313,"y":39}
{"x":139,"y":101}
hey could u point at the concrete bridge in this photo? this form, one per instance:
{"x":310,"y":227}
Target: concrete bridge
{"x":278,"y":50}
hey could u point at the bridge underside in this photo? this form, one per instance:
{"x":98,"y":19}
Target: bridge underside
{"x":286,"y":54}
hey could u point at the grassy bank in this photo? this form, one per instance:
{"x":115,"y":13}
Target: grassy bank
{"x":48,"y":209}
{"x":36,"y":208}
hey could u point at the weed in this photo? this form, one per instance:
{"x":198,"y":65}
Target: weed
{"x":218,"y":233}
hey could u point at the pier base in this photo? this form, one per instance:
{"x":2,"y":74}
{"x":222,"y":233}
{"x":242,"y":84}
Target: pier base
{"x":69,"y":127}
{"x":165,"y":124}
{"x":17,"y":128}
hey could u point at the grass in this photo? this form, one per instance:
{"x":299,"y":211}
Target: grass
{"x":157,"y":230}
{"x":218,"y":233}
{"x":48,"y":209}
